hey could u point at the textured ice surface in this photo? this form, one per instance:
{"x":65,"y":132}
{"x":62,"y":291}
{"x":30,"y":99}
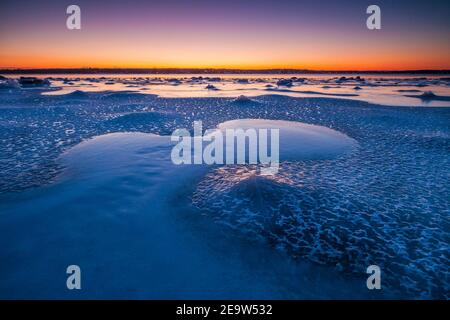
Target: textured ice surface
{"x":385,"y":203}
{"x":311,"y":213}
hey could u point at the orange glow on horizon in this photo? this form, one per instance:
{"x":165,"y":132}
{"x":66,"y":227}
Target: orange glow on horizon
{"x":111,"y":55}
{"x":327,"y":53}
{"x":381,"y":64}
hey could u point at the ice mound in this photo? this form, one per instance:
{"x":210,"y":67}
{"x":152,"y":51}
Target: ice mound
{"x":211,"y":87}
{"x":140,"y":121}
{"x":244,"y":100}
{"x":8,"y":84}
{"x":77,"y":94}
{"x":33,"y":82}
{"x":299,"y":140}
{"x":122,"y":95}
{"x":285,"y":83}
{"x":174,"y":81}
{"x":430,"y":96}
{"x":225,"y":193}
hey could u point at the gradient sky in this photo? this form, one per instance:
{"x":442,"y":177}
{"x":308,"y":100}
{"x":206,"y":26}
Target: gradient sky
{"x":312,"y":34}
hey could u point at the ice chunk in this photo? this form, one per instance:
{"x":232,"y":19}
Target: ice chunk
{"x":285,"y":82}
{"x":33,"y":82}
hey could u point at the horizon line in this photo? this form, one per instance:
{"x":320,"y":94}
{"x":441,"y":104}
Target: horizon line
{"x":14,"y":70}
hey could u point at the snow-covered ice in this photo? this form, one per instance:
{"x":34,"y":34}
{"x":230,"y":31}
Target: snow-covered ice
{"x":86,"y":178}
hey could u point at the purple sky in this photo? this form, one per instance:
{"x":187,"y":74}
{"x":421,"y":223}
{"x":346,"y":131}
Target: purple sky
{"x":243,"y":34}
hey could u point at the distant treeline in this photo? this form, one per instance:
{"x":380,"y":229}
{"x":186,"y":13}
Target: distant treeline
{"x":204,"y":71}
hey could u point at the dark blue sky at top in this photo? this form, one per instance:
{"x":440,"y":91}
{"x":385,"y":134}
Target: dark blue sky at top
{"x":398,"y":14}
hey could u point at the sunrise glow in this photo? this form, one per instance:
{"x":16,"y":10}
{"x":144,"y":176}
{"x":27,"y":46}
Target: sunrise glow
{"x":173,"y":34}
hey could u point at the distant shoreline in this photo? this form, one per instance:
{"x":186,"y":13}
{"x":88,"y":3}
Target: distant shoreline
{"x":206,"y":71}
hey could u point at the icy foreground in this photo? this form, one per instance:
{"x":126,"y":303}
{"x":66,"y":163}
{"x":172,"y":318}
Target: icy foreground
{"x":141,"y":227}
